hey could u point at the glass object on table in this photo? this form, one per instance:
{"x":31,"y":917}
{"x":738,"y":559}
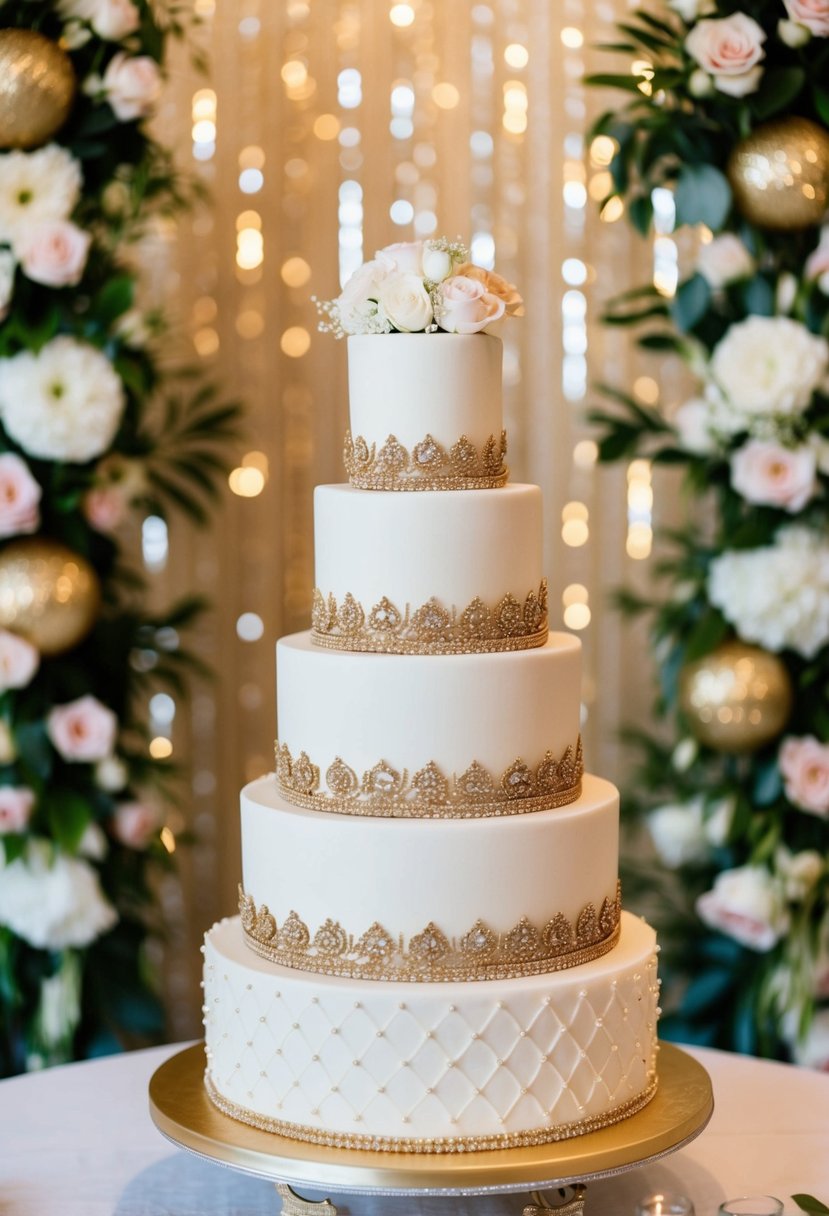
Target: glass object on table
{"x":751,"y":1205}
{"x":665,"y":1203}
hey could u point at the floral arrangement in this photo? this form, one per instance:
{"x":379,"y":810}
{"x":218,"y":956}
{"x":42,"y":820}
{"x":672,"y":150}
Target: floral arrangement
{"x":420,"y":287}
{"x":92,"y":433}
{"x":736,"y":800}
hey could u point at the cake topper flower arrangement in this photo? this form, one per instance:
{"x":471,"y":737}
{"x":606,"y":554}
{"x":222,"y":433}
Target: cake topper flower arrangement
{"x":418,"y":287}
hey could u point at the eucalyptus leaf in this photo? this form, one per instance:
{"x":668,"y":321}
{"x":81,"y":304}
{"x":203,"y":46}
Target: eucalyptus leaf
{"x":691,"y":302}
{"x":703,"y":196}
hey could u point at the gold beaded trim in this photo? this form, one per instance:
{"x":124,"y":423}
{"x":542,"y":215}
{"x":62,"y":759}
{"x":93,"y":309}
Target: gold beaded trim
{"x":429,"y":956}
{"x":428,"y":466}
{"x":430,"y":629}
{"x":387,"y":792}
{"x":450,"y":1144}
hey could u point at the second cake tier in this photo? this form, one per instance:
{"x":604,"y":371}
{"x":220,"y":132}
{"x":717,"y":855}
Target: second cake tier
{"x":429,"y":735}
{"x":430,"y":899}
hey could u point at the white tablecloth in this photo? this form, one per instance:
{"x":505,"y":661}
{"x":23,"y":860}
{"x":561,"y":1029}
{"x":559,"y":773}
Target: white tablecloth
{"x":78,"y":1141}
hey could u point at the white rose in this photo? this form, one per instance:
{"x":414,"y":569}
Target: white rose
{"x":437,"y":263}
{"x":768,"y":474}
{"x":7,"y":269}
{"x":355,"y":310}
{"x":719,"y":816}
{"x":19,"y":660}
{"x":813,"y":14}
{"x":723,"y":260}
{"x":776,"y":595}
{"x":677,"y":832}
{"x":813,"y":1050}
{"x":111,"y":20}
{"x":64,"y":403}
{"x":54,"y":253}
{"x":405,"y":302}
{"x":747,"y":904}
{"x":132,"y":85}
{"x":36,"y":186}
{"x":768,"y":366}
{"x":53,"y":901}
{"x":406,"y":257}
{"x":692,"y":423}
{"x":691,"y":10}
{"x":792,"y":34}
{"x":730,"y":50}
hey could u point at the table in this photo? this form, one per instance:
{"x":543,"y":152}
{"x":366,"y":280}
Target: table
{"x":78,"y":1141}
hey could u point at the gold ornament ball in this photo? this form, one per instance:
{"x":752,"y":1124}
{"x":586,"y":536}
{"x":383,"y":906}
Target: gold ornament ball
{"x":737,"y":698}
{"x":780,"y":174}
{"x":48,"y":594}
{"x":37,"y":88}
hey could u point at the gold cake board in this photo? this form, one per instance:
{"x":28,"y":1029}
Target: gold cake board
{"x":679,"y":1111}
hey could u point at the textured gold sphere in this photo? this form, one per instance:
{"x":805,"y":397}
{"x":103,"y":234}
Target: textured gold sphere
{"x":48,"y":594}
{"x":37,"y":87}
{"x":780,"y":174}
{"x":737,"y":698}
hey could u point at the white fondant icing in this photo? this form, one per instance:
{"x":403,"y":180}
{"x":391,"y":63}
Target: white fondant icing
{"x":431,"y":1060}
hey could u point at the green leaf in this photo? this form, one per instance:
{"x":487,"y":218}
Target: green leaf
{"x":821,"y":100}
{"x":708,"y":632}
{"x":691,"y":302}
{"x":610,"y":80}
{"x":69,"y":816}
{"x":114,"y":299}
{"x":779,"y":87}
{"x":703,"y":196}
{"x":768,"y":783}
{"x":808,"y":1203}
{"x":640,"y":211}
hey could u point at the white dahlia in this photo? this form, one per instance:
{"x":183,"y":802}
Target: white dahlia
{"x":64,"y":403}
{"x":777,"y":595}
{"x":53,"y":901}
{"x":36,"y":186}
{"x":765,"y":367}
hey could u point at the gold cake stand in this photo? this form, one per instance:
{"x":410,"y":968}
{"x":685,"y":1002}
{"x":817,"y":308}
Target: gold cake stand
{"x":680,"y":1110}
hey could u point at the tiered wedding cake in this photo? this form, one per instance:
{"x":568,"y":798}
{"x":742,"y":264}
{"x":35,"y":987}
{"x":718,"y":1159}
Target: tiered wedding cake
{"x":431,"y":953}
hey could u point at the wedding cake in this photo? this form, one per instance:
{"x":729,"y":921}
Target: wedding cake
{"x":431,"y":953}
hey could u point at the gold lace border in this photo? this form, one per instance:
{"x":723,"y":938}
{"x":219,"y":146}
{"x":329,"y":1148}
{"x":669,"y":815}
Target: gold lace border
{"x":449,"y":1144}
{"x":386,"y":792}
{"x":431,"y":628}
{"x":428,"y":466}
{"x":430,"y":956}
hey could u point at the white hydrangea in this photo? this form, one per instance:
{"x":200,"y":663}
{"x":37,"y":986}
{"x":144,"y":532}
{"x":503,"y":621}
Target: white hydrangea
{"x":765,"y":368}
{"x":778,"y":594}
{"x":64,"y":403}
{"x":36,"y":186}
{"x":53,"y":901}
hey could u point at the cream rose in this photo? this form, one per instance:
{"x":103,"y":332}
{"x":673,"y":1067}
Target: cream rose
{"x":54,"y":253}
{"x":724,"y":260}
{"x":405,"y":302}
{"x":134,"y":824}
{"x":437,"y":263}
{"x":19,"y":497}
{"x":804,"y":763}
{"x":16,"y":805}
{"x":406,"y":257}
{"x":730,"y":50}
{"x":692,"y":423}
{"x":766,"y":366}
{"x":466,"y":307}
{"x":131,"y":85}
{"x":677,"y":831}
{"x":496,"y":285}
{"x":746,"y":904}
{"x":768,"y":474}
{"x":19,"y":660}
{"x":111,"y":20}
{"x":82,"y":731}
{"x":111,"y":774}
{"x":814,"y":14}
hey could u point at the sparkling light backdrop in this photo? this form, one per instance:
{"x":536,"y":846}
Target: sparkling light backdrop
{"x":325,"y":130}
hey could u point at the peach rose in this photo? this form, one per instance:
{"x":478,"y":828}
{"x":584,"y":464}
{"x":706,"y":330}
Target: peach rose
{"x":768,"y":474}
{"x":730,"y":50}
{"x":134,"y":824}
{"x":814,"y":14}
{"x":466,"y":307}
{"x":19,"y":497}
{"x":54,"y":253}
{"x":804,"y":764}
{"x":16,"y":805}
{"x":496,"y":285}
{"x":132,"y":85}
{"x":746,"y":904}
{"x":83,"y":730}
{"x":104,"y":507}
{"x":19,"y":660}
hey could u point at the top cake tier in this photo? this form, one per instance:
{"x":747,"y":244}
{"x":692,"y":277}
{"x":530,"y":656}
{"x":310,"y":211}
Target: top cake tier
{"x":426,"y":412}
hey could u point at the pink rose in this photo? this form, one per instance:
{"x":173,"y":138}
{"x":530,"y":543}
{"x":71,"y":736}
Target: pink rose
{"x":54,"y":253}
{"x":766,"y":473}
{"x":466,"y":307}
{"x":747,"y":904}
{"x":16,"y":805}
{"x":814,"y":14}
{"x":496,"y":285}
{"x":104,"y":507}
{"x":132,"y":85}
{"x":83,"y":730}
{"x":404,"y":256}
{"x":19,"y":660}
{"x":723,"y":260}
{"x":804,"y":764}
{"x":729,"y":49}
{"x":19,"y":497}
{"x":134,"y":824}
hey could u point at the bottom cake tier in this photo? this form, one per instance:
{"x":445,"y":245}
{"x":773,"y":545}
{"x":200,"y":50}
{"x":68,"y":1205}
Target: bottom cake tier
{"x":438,"y":1067}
